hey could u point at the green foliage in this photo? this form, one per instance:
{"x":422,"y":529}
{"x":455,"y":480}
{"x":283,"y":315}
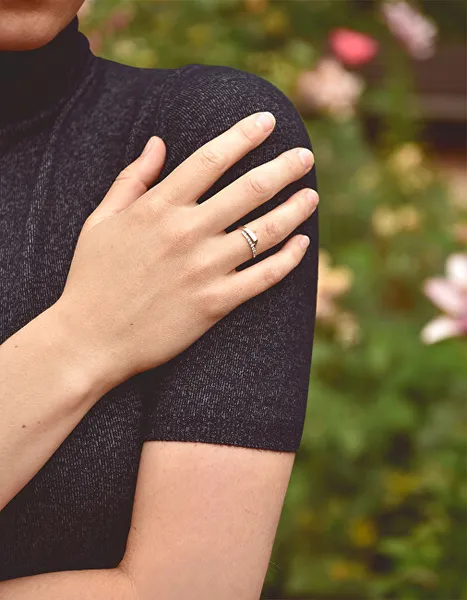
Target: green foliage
{"x":376,"y":504}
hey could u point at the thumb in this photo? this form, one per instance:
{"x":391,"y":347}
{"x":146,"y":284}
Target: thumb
{"x":131,"y":183}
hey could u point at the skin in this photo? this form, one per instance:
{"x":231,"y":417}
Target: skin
{"x":209,"y":512}
{"x":29,"y":24}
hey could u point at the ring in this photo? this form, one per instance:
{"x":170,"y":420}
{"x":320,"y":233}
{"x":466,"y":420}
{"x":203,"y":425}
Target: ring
{"x":250,"y":237}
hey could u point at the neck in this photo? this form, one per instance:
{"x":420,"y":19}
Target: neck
{"x":33,"y":80}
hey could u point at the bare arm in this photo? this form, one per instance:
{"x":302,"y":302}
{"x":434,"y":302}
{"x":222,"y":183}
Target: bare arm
{"x":45,"y":390}
{"x":203,"y":526}
{"x":99,"y":584}
{"x":209,"y":512}
{"x":204,"y":520}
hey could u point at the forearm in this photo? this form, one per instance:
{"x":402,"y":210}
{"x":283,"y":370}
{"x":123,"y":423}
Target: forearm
{"x":47,"y":384}
{"x":73,"y":585}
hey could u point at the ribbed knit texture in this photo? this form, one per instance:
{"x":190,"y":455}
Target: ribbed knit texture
{"x":69,"y":122}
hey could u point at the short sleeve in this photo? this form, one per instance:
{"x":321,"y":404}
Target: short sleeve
{"x":245,"y":381}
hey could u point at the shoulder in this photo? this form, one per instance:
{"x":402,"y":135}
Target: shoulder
{"x":219,"y":95}
{"x":199,"y":102}
{"x":216,"y":82}
{"x":190,"y":105}
{"x":202,"y":99}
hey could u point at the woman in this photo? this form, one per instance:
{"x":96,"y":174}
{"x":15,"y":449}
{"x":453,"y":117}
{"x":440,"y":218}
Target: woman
{"x":137,"y":322}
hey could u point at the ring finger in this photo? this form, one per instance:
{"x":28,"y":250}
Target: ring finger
{"x":270,"y":229}
{"x":254,"y":188}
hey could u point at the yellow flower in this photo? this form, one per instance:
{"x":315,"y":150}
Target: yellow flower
{"x":384,"y":221}
{"x":408,"y":218}
{"x":339,"y":570}
{"x":387,"y":222}
{"x":347,"y":329}
{"x":307,"y":520}
{"x":125,"y":48}
{"x":332,"y":282}
{"x":457,"y":186}
{"x":342,"y":569}
{"x":367,"y":178}
{"x":406,"y":158}
{"x":362,"y":533}
{"x":407,"y":163}
{"x":199,"y":34}
{"x":276,"y":23}
{"x":399,"y":485}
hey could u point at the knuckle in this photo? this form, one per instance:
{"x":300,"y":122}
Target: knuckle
{"x":125,"y":174}
{"x":259,"y":184}
{"x":203,"y":266}
{"x":293,"y":163}
{"x":272,"y":229}
{"x":247,"y":133}
{"x":88,"y":223}
{"x":150,"y":208}
{"x":214,"y":303}
{"x":273,"y":275}
{"x":169,"y":193}
{"x":181,"y":235}
{"x":211,"y":158}
{"x":129,"y":177}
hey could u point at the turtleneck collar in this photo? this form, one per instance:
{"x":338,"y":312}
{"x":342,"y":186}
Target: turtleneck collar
{"x":33,"y":80}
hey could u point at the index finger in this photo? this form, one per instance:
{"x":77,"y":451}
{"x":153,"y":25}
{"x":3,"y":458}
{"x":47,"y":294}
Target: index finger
{"x":195,"y":175}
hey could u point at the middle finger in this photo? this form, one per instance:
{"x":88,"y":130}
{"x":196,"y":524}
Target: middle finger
{"x":254,"y":188}
{"x":195,"y":175}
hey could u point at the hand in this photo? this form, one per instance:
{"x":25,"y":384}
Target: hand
{"x":153,"y":270}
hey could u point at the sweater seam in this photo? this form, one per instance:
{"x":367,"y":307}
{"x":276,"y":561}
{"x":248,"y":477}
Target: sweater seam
{"x":47,"y":160}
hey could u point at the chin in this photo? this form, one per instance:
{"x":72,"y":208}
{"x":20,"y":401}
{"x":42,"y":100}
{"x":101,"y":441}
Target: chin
{"x":25,"y":39}
{"x":23,"y":29}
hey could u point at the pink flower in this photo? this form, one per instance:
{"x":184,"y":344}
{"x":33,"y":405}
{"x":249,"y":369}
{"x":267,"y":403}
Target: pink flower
{"x":351,"y":47}
{"x":450,"y":295}
{"x":95,"y":41}
{"x":118,"y":19}
{"x":416,"y":33}
{"x":330,"y":88}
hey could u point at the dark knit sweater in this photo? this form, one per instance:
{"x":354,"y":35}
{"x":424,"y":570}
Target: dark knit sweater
{"x":69,"y":122}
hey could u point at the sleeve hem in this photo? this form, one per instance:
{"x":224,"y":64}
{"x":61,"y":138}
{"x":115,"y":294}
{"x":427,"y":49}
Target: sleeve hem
{"x":282,"y":437}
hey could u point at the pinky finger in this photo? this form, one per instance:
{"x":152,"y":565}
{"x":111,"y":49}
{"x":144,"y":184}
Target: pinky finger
{"x":265,"y":274}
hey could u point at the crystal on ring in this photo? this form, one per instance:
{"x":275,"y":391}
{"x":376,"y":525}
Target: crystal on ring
{"x":250,"y":234}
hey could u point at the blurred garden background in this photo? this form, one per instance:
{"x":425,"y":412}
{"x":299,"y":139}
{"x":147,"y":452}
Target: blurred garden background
{"x":376,"y":507}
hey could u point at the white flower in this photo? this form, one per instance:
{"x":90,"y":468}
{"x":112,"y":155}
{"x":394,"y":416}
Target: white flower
{"x":413,"y":30}
{"x":331,"y":88}
{"x":450,"y":295}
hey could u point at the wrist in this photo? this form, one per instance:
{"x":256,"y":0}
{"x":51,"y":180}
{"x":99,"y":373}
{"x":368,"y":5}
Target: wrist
{"x":88,"y":368}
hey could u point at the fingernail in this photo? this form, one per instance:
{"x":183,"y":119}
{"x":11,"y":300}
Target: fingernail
{"x":306,"y":157}
{"x":266,"y":121}
{"x":304,"y":241}
{"x":312,"y":197}
{"x":148,"y":146}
